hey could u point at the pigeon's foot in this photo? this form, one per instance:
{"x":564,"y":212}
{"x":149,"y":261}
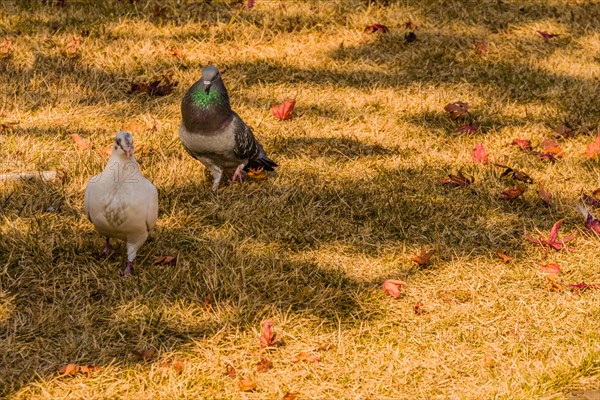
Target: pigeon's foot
{"x":128,"y":270}
{"x":106,"y":251}
{"x":237,"y":175}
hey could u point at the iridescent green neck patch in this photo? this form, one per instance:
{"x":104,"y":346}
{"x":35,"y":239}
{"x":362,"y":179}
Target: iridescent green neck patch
{"x":202,"y":99}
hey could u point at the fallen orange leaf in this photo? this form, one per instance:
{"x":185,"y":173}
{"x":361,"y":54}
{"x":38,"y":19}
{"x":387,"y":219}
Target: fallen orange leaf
{"x":80,"y":142}
{"x":503,"y":256}
{"x":257,"y":173}
{"x":303,"y":356}
{"x":552,"y":269}
{"x":246,"y":385}
{"x":231,"y":372}
{"x":289,"y":396}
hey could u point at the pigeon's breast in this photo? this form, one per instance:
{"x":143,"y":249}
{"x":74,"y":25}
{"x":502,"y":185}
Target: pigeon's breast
{"x":218,"y":147}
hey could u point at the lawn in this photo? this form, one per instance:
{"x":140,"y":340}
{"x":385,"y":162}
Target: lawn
{"x":357,"y":194}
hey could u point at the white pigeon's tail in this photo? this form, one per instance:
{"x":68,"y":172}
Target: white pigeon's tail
{"x":583,"y":210}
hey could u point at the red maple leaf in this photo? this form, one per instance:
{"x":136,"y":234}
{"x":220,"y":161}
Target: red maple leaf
{"x":524,"y":144}
{"x":551,"y":268}
{"x":553,"y":242}
{"x":283,"y":111}
{"x":479,"y":155}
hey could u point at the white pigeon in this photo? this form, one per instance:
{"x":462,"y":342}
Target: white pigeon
{"x":120,"y":202}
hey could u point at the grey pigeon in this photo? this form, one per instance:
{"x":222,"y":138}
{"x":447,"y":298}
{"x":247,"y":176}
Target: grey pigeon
{"x":214,"y":134}
{"x":120,"y":202}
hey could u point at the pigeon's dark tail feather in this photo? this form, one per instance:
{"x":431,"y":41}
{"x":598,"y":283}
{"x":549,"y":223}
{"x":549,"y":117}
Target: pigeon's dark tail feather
{"x":264,"y":162}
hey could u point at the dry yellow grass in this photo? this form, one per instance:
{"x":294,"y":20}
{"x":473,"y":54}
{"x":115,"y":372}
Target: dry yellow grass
{"x":355,"y":197}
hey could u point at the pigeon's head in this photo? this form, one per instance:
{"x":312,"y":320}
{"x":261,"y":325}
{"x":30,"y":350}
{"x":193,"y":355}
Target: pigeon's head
{"x":124,"y":143}
{"x":210,"y":76}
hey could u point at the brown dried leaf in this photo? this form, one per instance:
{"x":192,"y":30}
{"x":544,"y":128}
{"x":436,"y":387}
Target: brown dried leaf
{"x":523,"y":144}
{"x":290,"y":396}
{"x":457,"y":180}
{"x":482,"y":47}
{"x":457,"y":109}
{"x":552,"y":285}
{"x":264,"y":365}
{"x":303,"y":356}
{"x":231,"y":372}
{"x":71,"y":49}
{"x":246,"y":385}
{"x":144,"y":354}
{"x":419,"y":308}
{"x":512,"y":193}
{"x":177,"y":365}
{"x":424,"y":257}
{"x":69,"y":369}
{"x":544,"y":195}
{"x":165,"y":260}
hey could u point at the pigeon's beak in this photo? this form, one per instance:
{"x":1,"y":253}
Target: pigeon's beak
{"x":206,"y":86}
{"x":128,"y":151}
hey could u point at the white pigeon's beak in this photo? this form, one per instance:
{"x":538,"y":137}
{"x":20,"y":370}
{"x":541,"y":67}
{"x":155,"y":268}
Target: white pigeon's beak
{"x":128,"y":151}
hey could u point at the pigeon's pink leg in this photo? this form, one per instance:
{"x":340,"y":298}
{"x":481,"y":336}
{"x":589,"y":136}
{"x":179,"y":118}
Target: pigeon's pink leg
{"x":107,"y":250}
{"x":128,"y":269}
{"x":237,"y":175}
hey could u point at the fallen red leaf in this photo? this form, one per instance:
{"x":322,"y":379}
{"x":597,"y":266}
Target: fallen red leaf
{"x":80,"y":142}
{"x":303,"y":356}
{"x":392,"y":287}
{"x":250,"y":4}
{"x":550,"y":268}
{"x":479,"y":155}
{"x":283,"y":111}
{"x":457,"y":180}
{"x":246,"y":385}
{"x":547,"y":35}
{"x":553,"y":242}
{"x":457,"y":109}
{"x":523,"y":144}
{"x":264,"y":365}
{"x":593,"y":149}
{"x":551,"y":147}
{"x":505,"y":258}
{"x":512,"y":193}
{"x":583,"y":286}
{"x":423,"y":258}
{"x":268,"y":337}
{"x":377,"y":28}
